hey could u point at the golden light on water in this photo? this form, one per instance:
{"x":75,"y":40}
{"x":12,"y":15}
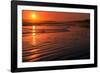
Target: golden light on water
{"x":34,"y":30}
{"x":34,"y":35}
{"x":34,"y":40}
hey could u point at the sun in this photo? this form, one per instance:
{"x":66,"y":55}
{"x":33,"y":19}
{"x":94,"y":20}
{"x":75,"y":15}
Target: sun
{"x":34,"y":16}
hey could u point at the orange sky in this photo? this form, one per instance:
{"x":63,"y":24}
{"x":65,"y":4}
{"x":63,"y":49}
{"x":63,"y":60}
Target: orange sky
{"x":36,"y":16}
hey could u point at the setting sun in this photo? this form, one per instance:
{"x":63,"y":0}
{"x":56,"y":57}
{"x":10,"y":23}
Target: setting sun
{"x":34,"y":16}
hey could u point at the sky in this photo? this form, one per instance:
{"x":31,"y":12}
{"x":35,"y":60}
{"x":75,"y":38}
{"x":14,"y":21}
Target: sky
{"x":36,"y":16}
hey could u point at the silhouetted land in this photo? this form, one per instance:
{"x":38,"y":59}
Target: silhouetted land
{"x":84,"y":23}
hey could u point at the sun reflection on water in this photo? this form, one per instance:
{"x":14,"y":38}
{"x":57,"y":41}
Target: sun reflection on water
{"x":34,"y":35}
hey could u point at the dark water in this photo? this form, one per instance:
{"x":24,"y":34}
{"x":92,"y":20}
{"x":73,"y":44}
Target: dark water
{"x":53,"y":44}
